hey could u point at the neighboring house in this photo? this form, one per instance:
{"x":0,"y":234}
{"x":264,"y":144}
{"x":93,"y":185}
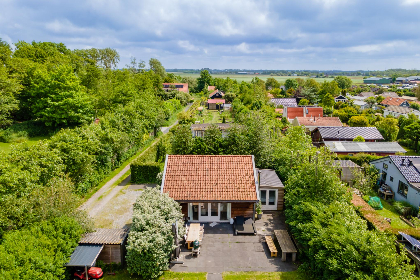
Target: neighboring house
{"x":340,"y":98}
{"x":413,"y":78}
{"x":397,"y":111}
{"x":198,"y":130}
{"x":390,"y":94}
{"x":346,"y":167}
{"x":176,"y":86}
{"x":402,"y":174}
{"x":216,"y":94}
{"x":389,"y":101}
{"x":269,"y":95}
{"x":373,"y":148}
{"x":363,"y":105}
{"x":377,"y":81}
{"x":347,"y":133}
{"x":292,"y":112}
{"x":286,"y":102}
{"x":215,"y":104}
{"x":366,"y":94}
{"x":211,"y":88}
{"x":313,"y":122}
{"x":212,"y":188}
{"x":271,"y":190}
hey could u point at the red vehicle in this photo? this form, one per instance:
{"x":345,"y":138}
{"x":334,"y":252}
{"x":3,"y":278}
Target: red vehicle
{"x":93,"y":272}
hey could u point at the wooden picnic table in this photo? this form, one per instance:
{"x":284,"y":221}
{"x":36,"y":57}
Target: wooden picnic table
{"x":286,"y":244}
{"x":193,"y":234}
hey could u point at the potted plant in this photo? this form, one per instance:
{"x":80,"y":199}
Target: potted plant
{"x":258,"y":210}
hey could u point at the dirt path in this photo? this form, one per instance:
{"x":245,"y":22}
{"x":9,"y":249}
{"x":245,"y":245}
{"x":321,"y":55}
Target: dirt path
{"x":111,"y":206}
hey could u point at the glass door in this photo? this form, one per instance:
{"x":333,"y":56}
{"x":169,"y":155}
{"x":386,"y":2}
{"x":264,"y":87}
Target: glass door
{"x":209,"y":212}
{"x":268,"y":199}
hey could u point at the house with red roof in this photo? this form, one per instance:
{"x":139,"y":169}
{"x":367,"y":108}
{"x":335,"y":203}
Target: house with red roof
{"x":205,"y":193}
{"x":176,"y":86}
{"x":215,"y":93}
{"x":313,"y":122}
{"x":292,"y":112}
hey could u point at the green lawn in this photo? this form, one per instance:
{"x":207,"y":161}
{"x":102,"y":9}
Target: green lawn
{"x":255,"y":275}
{"x":281,"y":79}
{"x":213,"y":116}
{"x":167,"y":275}
{"x":410,"y":152}
{"x":389,"y":212}
{"x":32,"y":141}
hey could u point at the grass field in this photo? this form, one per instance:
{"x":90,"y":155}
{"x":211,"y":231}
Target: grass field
{"x":281,"y":79}
{"x":389,"y":212}
{"x":292,"y":275}
{"x":32,"y":141}
{"x":167,"y":275}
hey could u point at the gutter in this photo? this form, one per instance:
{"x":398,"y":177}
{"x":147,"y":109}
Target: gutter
{"x":255,"y":178}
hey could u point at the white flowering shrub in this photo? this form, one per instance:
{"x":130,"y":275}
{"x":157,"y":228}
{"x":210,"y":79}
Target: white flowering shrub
{"x":151,"y":241}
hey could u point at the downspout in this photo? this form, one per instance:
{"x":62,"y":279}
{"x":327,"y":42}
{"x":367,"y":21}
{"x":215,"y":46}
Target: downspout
{"x":164,"y":173}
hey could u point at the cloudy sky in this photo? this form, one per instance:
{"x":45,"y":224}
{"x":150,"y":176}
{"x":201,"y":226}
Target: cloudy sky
{"x":239,"y":34}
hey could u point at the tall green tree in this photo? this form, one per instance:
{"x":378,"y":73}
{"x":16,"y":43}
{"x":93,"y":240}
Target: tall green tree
{"x":9,"y":88}
{"x":291,"y":83}
{"x":328,"y":101}
{"x":204,"y":80}
{"x":358,"y":121}
{"x":343,"y":82}
{"x":412,"y":131}
{"x":157,"y":67}
{"x":388,"y":127}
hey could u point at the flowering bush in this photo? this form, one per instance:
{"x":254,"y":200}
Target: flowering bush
{"x":151,"y":240}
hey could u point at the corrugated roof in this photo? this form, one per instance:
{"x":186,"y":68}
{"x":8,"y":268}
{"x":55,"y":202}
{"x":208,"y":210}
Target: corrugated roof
{"x":399,"y":109}
{"x":364,"y":147}
{"x":85,"y":255}
{"x":104,"y":236}
{"x":203,"y":126}
{"x":286,"y":102}
{"x":410,"y":172}
{"x":368,"y":133}
{"x":269,"y":178}
{"x":210,"y":178}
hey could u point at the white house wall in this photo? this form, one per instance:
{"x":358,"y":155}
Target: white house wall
{"x":413,"y":196}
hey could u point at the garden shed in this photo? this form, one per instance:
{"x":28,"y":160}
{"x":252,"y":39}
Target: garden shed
{"x":271,"y":190}
{"x":347,"y":168}
{"x":112,"y":240}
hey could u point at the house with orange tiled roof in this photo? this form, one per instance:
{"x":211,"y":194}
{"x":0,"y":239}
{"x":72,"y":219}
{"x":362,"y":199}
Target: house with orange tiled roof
{"x":292,"y":112}
{"x":215,"y":104}
{"x":313,"y":122}
{"x":392,"y":101}
{"x":205,"y":193}
{"x":176,"y":86}
{"x":215,"y":93}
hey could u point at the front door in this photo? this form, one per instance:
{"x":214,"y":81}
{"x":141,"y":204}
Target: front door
{"x":268,"y":199}
{"x":209,"y":212}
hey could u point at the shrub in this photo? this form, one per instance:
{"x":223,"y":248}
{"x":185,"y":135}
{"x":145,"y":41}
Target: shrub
{"x":151,"y":241}
{"x":366,"y":198}
{"x":145,"y":172}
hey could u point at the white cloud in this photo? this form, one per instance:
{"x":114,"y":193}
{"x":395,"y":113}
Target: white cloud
{"x":187,"y":45}
{"x":411,"y":2}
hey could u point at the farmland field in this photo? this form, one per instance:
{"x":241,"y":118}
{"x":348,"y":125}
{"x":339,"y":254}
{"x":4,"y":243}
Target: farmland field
{"x":281,"y":79}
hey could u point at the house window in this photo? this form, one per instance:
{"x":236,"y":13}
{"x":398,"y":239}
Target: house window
{"x":385,"y":166}
{"x":350,"y":155}
{"x":402,"y":189}
{"x":391,"y":179}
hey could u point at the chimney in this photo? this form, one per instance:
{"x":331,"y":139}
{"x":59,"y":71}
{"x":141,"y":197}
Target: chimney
{"x":410,"y":163}
{"x":402,"y":162}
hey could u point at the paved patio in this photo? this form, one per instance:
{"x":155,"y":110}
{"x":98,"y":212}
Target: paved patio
{"x":222,"y":251}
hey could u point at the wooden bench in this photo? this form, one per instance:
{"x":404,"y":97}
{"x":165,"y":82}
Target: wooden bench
{"x":271,"y":246}
{"x":286,"y":244}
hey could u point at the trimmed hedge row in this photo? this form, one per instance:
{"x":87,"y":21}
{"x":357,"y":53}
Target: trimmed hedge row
{"x":145,"y":172}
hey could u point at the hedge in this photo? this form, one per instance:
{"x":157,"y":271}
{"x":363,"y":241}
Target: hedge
{"x":145,"y":172}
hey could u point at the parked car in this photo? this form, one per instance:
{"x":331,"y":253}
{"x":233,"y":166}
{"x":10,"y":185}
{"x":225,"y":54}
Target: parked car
{"x":93,"y":272}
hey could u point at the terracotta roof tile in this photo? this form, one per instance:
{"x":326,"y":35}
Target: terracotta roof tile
{"x":293,"y":112}
{"x":393,"y":101}
{"x":210,"y":178}
{"x":320,"y":121}
{"x":177,"y":86}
